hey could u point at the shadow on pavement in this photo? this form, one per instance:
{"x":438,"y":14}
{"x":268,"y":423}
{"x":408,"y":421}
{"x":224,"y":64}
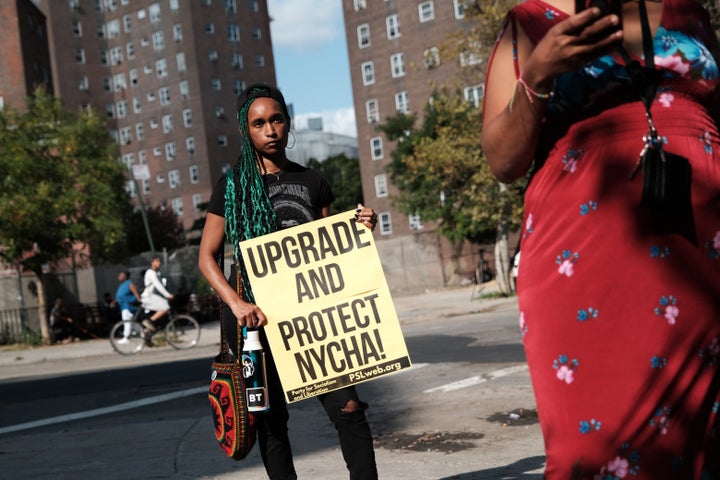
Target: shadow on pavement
{"x":448,"y":348}
{"x":515,"y":471}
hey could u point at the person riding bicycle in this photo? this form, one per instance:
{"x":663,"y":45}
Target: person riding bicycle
{"x":155,"y":296}
{"x":128,"y":299}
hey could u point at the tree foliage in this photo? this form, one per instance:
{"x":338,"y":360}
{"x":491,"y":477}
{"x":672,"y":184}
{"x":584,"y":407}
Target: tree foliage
{"x":61,"y":188}
{"x":61,"y":184}
{"x":441,"y":174}
{"x":343,"y":175}
{"x":165,"y":227}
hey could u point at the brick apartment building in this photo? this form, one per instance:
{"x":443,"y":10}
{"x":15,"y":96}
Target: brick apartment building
{"x":166,"y":74}
{"x":395,"y":62}
{"x":24,"y":52}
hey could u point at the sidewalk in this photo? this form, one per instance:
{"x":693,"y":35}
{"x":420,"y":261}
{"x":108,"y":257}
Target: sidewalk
{"x":410,"y":309}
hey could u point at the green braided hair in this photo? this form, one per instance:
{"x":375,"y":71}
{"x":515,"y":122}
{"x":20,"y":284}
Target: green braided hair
{"x":248,"y":210}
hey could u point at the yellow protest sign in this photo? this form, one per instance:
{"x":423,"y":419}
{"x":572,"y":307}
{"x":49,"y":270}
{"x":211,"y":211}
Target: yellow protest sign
{"x":331,"y":319}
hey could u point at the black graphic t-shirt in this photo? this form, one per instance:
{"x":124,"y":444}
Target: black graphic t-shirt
{"x":297,"y":194}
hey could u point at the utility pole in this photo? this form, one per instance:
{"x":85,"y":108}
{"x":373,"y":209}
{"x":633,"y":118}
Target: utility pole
{"x":141,"y":172}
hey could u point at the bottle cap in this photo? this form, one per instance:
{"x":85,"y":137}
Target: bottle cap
{"x":252,"y":341}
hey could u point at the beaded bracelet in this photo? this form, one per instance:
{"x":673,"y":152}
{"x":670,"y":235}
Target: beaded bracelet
{"x":530,"y":93}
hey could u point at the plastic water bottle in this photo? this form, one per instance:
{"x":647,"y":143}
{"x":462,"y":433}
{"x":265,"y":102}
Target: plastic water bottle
{"x":253,"y":368}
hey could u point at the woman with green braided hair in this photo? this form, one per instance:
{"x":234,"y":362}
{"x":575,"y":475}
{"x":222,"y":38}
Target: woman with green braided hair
{"x":264,"y":192}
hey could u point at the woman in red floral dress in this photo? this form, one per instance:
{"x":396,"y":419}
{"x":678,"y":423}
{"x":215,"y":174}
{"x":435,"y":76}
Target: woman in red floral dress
{"x":619,"y":309}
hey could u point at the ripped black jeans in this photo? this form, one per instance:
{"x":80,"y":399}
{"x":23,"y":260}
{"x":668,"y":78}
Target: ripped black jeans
{"x":353,"y":430}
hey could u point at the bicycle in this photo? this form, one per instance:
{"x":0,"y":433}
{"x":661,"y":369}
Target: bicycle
{"x":181,"y":331}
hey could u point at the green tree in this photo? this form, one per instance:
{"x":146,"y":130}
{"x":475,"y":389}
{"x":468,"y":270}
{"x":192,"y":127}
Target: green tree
{"x":442,"y":176}
{"x":343,"y":174}
{"x":165,"y":227}
{"x":62,"y":189}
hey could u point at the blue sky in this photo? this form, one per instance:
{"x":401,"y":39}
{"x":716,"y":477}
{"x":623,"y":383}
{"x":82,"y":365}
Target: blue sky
{"x":311,"y":61}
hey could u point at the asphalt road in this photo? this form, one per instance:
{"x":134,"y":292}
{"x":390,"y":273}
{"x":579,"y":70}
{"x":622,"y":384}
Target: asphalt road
{"x":464,"y":410}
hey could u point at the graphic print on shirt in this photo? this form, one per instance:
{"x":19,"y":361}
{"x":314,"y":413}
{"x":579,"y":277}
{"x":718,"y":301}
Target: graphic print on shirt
{"x":292,"y":204}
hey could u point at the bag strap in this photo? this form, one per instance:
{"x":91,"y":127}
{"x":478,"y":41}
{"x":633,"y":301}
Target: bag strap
{"x":224,"y":348}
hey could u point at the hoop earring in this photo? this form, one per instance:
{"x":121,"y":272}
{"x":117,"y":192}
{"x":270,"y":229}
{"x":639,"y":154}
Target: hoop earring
{"x":294,"y":140}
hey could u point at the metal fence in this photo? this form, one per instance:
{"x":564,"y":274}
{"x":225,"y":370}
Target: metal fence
{"x":17,"y":323}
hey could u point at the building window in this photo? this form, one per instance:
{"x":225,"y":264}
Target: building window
{"x":360,"y":5}
{"x":222,"y":140}
{"x":187,"y":118}
{"x":116,"y":55}
{"x":393,"y":26}
{"x":401,"y":102}
{"x":215,"y":84}
{"x":414,"y":222}
{"x":167,"y":123}
{"x":238,"y":86}
{"x":180,"y":59}
{"x":376,"y":148}
{"x":142,"y":157}
{"x":153,"y":123}
{"x":385,"y":223}
{"x":133,"y":76}
{"x":397,"y":65}
{"x":107,"y":84}
{"x":128,"y":160}
{"x":110,"y":110}
{"x":190,"y":145}
{"x":174,"y":5}
{"x":256,"y":34}
{"x":77,"y":28}
{"x":161,"y":68}
{"x":426,"y":11}
{"x":230,"y":6}
{"x":157,"y":151}
{"x":125,"y":136}
{"x":84,"y":84}
{"x":213,"y":55}
{"x":104,"y":57}
{"x":431,"y":57}
{"x":139,"y":133}
{"x":184,"y":90}
{"x":381,"y":186}
{"x":459,"y":6}
{"x":373,"y":111}
{"x":101,"y":31}
{"x":137,"y":108}
{"x":158,"y":41}
{"x":194,"y":173}
{"x":113,"y":29}
{"x":150,"y":96}
{"x":368,"y":73}
{"x":233,"y":32}
{"x":174,"y":179}
{"x":164,"y":94}
{"x":130,"y":48}
{"x":121,"y":109}
{"x":119,"y":82}
{"x":209,"y":27}
{"x":237,"y":61}
{"x":177,"y":206}
{"x":474,"y":94}
{"x":154,"y":11}
{"x":219,"y":111}
{"x":170,"y":151}
{"x":197,"y":200}
{"x":260,"y":60}
{"x":177,"y":32}
{"x":127,"y":23}
{"x":471,"y":56}
{"x":80,"y":55}
{"x":363,"y":33}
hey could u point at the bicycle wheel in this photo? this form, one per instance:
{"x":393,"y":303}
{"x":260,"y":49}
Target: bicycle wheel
{"x":127,"y":337}
{"x":182,"y":332}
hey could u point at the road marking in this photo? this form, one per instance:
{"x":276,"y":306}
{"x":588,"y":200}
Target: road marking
{"x":103,"y":411}
{"x":469,"y":382}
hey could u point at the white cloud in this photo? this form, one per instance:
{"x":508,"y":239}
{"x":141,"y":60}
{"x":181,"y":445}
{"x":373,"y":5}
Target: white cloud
{"x":340,"y":121}
{"x":302,"y":24}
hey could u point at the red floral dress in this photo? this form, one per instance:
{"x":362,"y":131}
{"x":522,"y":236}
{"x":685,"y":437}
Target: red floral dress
{"x":620,"y":316}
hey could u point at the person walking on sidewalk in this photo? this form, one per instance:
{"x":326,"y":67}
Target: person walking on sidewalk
{"x":128,"y":299}
{"x":266,"y":191}
{"x":155,"y":296}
